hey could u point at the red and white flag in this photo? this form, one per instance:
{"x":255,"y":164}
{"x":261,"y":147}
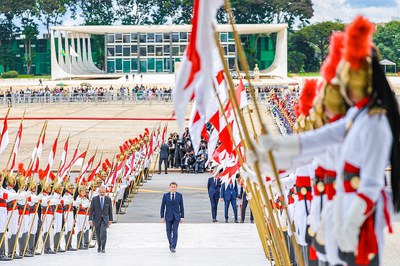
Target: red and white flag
{"x":86,"y":167}
{"x":4,"y":136}
{"x":16,"y":147}
{"x":196,"y":71}
{"x":64,"y":155}
{"x":94,"y":171}
{"x":39,"y":153}
{"x":79,"y":160}
{"x":51,"y":158}
{"x":164,"y":134}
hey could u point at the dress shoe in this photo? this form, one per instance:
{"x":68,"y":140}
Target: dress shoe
{"x":28,"y":254}
{"x":91,"y":246}
{"x":114,"y":222}
{"x":213,"y":221}
{"x":236,"y":221}
{"x":121,"y":213}
{"x":226,"y":221}
{"x":252,"y":222}
{"x":49,"y":251}
{"x":4,"y":257}
{"x":16,"y":256}
{"x":166,"y":173}
{"x":98,"y":251}
{"x":71,"y":249}
{"x":216,"y":220}
{"x":38,"y":253}
{"x":173,"y":250}
{"x":159,"y":173}
{"x":103,"y":251}
{"x":60,"y":250}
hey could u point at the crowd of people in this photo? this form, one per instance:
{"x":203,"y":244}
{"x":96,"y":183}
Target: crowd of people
{"x":85,"y":93}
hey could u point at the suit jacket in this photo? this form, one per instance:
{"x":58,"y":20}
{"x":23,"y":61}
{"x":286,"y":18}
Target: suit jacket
{"x":164,"y":151}
{"x":229,"y":192}
{"x":96,"y":214}
{"x":212,"y":187}
{"x":242,"y":195}
{"x":172,"y":210}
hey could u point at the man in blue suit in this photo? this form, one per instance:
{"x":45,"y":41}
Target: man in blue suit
{"x":172,"y":213}
{"x":213,"y":187}
{"x":229,"y":194}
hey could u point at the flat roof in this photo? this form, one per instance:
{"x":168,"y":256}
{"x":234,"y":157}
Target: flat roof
{"x":100,"y":30}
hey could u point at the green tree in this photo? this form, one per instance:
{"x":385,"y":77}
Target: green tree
{"x":97,"y":12}
{"x":296,"y":61}
{"x":30,"y":32}
{"x":387,"y":38}
{"x":51,"y":12}
{"x":298,"y":42}
{"x":318,"y":35}
{"x":134,"y":12}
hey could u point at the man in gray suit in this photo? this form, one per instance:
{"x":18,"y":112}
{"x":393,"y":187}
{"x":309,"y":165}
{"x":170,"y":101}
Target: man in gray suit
{"x":164,"y":152}
{"x":101,"y":217}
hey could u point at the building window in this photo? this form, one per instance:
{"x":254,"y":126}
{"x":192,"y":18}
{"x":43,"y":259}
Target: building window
{"x":134,"y":49}
{"x":142,"y":38}
{"x":182,"y":49}
{"x":159,"y":37}
{"x":175,"y":50}
{"x":223,"y":36}
{"x":150,"y":64}
{"x":159,"y":65}
{"x":183,"y":36}
{"x":110,"y":38}
{"x":159,"y":51}
{"x":150,"y":37}
{"x":118,"y":50}
{"x":143,"y":51}
{"x":166,"y":36}
{"x":231,"y":48}
{"x":118,"y":37}
{"x":134,"y":37}
{"x":150,"y":49}
{"x":110,"y":51}
{"x":231,"y":63}
{"x":167,"y":49}
{"x":175,"y":37}
{"x":127,"y":38}
{"x":127,"y":51}
{"x":134,"y":65}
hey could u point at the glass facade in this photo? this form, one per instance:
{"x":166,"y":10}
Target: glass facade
{"x":154,"y":52}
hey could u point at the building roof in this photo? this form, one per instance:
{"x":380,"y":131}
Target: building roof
{"x":101,"y":30}
{"x":386,"y":62}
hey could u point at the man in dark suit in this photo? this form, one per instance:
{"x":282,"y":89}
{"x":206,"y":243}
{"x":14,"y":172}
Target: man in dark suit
{"x":164,"y":152}
{"x":172,"y":213}
{"x":229,"y":194}
{"x":245,"y":202}
{"x":213,"y":187}
{"x":101,"y":217}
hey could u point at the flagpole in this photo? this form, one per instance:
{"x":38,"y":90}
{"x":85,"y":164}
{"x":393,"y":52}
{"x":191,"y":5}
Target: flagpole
{"x":70,"y":206}
{"x":15,"y":140}
{"x":48,"y":205}
{"x":15,"y":203}
{"x":250,"y":146}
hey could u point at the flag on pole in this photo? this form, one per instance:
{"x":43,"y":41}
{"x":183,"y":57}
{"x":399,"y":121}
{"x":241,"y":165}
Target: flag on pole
{"x":39,"y":153}
{"x":51,"y":158}
{"x":16,"y":147}
{"x":195,"y":75}
{"x":86,"y":167}
{"x":72,"y":52}
{"x":164,"y":134}
{"x":64,"y":156}
{"x":79,"y":160}
{"x":94,"y":171}
{"x":4,"y":136}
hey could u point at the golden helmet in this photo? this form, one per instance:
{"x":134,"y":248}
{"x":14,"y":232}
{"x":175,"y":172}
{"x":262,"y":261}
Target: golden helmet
{"x":46,"y":186}
{"x":20,"y":180}
{"x":69,"y":186}
{"x":32,"y":184}
{"x":11,"y":178}
{"x":82,"y":188}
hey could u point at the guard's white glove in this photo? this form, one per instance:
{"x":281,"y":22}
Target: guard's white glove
{"x":54,"y":202}
{"x":12,"y":196}
{"x":285,"y":145}
{"x":44,"y":198}
{"x":34,"y":198}
{"x":77,"y":203}
{"x":349,"y":234}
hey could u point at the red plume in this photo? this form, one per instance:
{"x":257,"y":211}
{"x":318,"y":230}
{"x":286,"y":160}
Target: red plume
{"x":307,"y":96}
{"x":21,"y":168}
{"x":108,"y":162}
{"x":121,"y":149}
{"x":52,"y":175}
{"x":140,"y":136}
{"x":104,"y":166}
{"x":146,"y":130}
{"x":358,"y":41}
{"x":131,"y":141}
{"x":41,"y":174}
{"x":328,"y":68}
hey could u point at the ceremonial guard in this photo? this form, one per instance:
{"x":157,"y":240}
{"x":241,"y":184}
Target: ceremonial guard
{"x":82,"y":226}
{"x":68,"y":199}
{"x":12,"y":214}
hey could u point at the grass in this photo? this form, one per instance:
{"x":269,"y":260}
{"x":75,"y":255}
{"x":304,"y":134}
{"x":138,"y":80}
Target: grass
{"x":305,"y":74}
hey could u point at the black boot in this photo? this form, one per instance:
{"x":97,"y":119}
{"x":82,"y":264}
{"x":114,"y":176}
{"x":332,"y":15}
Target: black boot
{"x":57,"y":244}
{"x":3,"y":256}
{"x":86,"y":237}
{"x":67,"y":236}
{"x":11,"y":244}
{"x":47,"y":249}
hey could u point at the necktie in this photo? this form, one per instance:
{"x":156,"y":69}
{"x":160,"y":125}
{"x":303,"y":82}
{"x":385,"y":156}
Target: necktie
{"x":173,"y":197}
{"x":216,"y":183}
{"x":101,"y":203}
